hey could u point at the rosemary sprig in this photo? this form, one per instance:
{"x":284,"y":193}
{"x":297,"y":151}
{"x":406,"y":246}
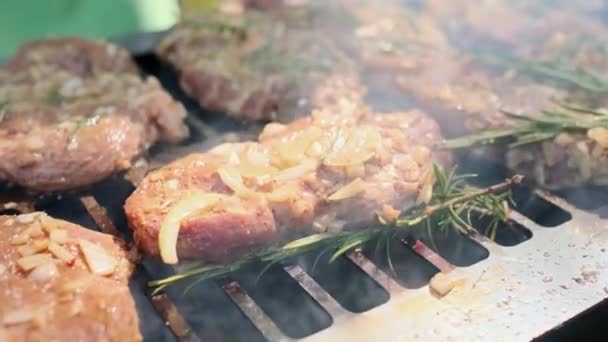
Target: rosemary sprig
{"x":451,"y":205}
{"x":575,"y":77}
{"x":527,"y":129}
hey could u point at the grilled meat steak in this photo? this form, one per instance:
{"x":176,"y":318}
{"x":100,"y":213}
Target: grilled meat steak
{"x":468,"y":91}
{"x":73,"y":111}
{"x":62,"y":282}
{"x":322,"y":173}
{"x":262,"y":64}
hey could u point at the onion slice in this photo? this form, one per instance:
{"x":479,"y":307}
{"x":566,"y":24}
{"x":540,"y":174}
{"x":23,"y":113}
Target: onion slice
{"x":169,"y":228}
{"x":351,"y":189}
{"x":354,"y":146}
{"x":232,"y":179}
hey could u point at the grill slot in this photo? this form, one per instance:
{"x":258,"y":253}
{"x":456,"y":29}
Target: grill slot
{"x":362,"y":292}
{"x":538,"y":209}
{"x":410,"y":269}
{"x":458,"y":249}
{"x":279,"y":295}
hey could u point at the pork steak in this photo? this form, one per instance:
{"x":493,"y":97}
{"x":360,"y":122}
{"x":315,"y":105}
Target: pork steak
{"x":73,"y":111}
{"x":62,"y":282}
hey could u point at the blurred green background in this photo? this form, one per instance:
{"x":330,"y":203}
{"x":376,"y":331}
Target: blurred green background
{"x":24,"y":20}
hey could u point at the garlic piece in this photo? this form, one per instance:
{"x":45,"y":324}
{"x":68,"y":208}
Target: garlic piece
{"x":26,"y":250}
{"x":29,"y":262}
{"x":59,"y":236}
{"x":99,"y":260}
{"x":441,"y":284}
{"x":43,"y":272}
{"x":27,"y":218}
{"x":60,"y":252}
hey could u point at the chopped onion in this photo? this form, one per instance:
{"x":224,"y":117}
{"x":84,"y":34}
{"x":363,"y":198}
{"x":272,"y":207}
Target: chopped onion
{"x":27,"y":218}
{"x":59,"y":235}
{"x":232,"y":179}
{"x":21,"y":238}
{"x":43,"y":272}
{"x":426,"y":192}
{"x":41,"y":245}
{"x":283,"y":194}
{"x":441,"y":284}
{"x":306,"y":166}
{"x":19,"y":316}
{"x":291,"y":152}
{"x":349,"y":190}
{"x":600,"y":135}
{"x":169,"y":228}
{"x":99,"y":260}
{"x":28,"y":262}
{"x":354,"y":146}
{"x":60,"y":252}
{"x":26,"y":250}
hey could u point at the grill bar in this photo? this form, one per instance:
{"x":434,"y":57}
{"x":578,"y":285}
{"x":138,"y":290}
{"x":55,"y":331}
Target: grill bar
{"x":388,"y":283}
{"x":321,"y":296}
{"x":174,"y":320}
{"x":99,"y":215}
{"x":253,"y":312}
{"x":428,"y":254}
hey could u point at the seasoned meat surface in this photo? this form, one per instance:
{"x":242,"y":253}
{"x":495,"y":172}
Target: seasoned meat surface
{"x":73,"y":111}
{"x":326,"y":172}
{"x":488,"y":69}
{"x":264,"y":64}
{"x":62,"y":282}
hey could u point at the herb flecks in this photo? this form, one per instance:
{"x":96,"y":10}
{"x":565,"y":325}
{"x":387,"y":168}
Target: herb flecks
{"x":451,"y":205}
{"x":86,"y":121}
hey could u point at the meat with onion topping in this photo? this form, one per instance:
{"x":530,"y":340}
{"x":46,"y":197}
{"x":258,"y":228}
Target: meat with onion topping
{"x":62,"y":282}
{"x":326,"y":172}
{"x":73,"y":111}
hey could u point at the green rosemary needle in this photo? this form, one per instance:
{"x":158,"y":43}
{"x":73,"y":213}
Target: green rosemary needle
{"x":552,"y":71}
{"x":528,"y":129}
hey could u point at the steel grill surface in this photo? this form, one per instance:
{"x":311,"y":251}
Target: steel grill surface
{"x":545,"y":267}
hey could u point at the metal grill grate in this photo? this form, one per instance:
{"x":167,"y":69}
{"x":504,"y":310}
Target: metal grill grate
{"x":548,"y":267}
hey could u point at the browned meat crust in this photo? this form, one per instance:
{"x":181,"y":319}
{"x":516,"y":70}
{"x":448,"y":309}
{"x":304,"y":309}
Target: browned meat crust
{"x":62,"y":298}
{"x":73,"y":111}
{"x":323,"y":173}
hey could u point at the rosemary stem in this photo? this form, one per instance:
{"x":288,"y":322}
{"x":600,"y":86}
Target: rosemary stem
{"x":496,"y":188}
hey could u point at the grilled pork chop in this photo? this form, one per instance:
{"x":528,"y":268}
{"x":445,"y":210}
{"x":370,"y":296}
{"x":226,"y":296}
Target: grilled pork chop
{"x":73,"y":111}
{"x":62,"y":282}
{"x":323,"y":173}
